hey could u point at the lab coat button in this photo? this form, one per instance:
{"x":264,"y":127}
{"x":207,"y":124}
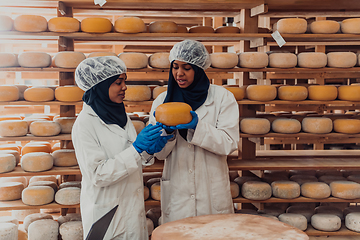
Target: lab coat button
{"x":189,"y":146}
{"x":139,"y":190}
{"x":192,"y":196}
{"x":190,"y":170}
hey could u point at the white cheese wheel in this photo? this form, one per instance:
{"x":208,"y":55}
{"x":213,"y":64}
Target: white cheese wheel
{"x":347,"y":125}
{"x":241,"y":180}
{"x":69,"y":217}
{"x":9,"y":219}
{"x":43,"y":178}
{"x":317,"y":125}
{"x":146,"y":192}
{"x":345,"y":189}
{"x":282,"y":60}
{"x":30,"y":23}
{"x":294,"y":219}
{"x":325,"y":26}
{"x":137,"y":93}
{"x":285,"y":189}
{"x":68,"y":93}
{"x":326,"y":222}
{"x":255,"y":125}
{"x":157,"y":90}
{"x":34,"y":59}
{"x":286,"y":125}
{"x":291,"y":25}
{"x":253,"y":60}
{"x":34,"y":217}
{"x":234,"y":189}
{"x":352,"y":221}
{"x":96,"y":25}
{"x":261,"y":92}
{"x":8,"y":59}
{"x":159,"y":60}
{"x":9,"y":93}
{"x":45,"y":183}
{"x":307,"y":212}
{"x":6,"y":23}
{"x":20,"y":179}
{"x":7,"y":162}
{"x":45,"y":128}
{"x":292,"y":93}
{"x":301,"y":179}
{"x":134,"y":60}
{"x":139,"y":125}
{"x":317,"y":190}
{"x":68,"y":59}
{"x":341,"y":59}
{"x":256,"y":190}
{"x":44,"y":229}
{"x":37,"y":195}
{"x":21,"y":214}
{"x":37,"y":162}
{"x":68,"y":196}
{"x":10,"y":191}
{"x":349,"y":92}
{"x":66,"y":123}
{"x":8,"y":231}
{"x":227,"y":29}
{"x":322,"y":92}
{"x":155,"y":191}
{"x":150,"y":226}
{"x":15,"y":153}
{"x":330,"y":210}
{"x":312,"y":60}
{"x":64,"y":158}
{"x":13,"y":128}
{"x":224,"y":60}
{"x":39,"y":94}
{"x":238,"y":92}
{"x":63,"y":24}
{"x":101,"y":54}
{"x":70,"y":184}
{"x":163,"y":27}
{"x":71,"y":230}
{"x":129,"y":25}
{"x":350,"y":25}
{"x":201,"y":29}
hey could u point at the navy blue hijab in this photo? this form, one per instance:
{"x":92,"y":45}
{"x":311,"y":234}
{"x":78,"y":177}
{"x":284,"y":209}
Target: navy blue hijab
{"x":98,"y":99}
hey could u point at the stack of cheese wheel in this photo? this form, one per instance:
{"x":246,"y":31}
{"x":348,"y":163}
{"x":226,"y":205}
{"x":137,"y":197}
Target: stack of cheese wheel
{"x":139,"y":125}
{"x":72,"y":230}
{"x":37,"y":162}
{"x":68,"y":59}
{"x":9,"y":93}
{"x":341,"y":59}
{"x":39,"y":94}
{"x":6,"y":23}
{"x":13,"y":128}
{"x":30,"y":23}
{"x":64,"y":24}
{"x":322,"y":92}
{"x":351,"y":25}
{"x":45,"y":128}
{"x":312,"y":60}
{"x":294,"y":219}
{"x":68,"y":93}
{"x":11,"y":147}
{"x":223,"y":60}
{"x":45,"y":183}
{"x":34,"y":217}
{"x":349,"y":92}
{"x":182,"y":29}
{"x":15,"y":153}
{"x":68,"y":196}
{"x":173,"y":113}
{"x":317,"y":125}
{"x":8,"y":60}
{"x":255,"y":125}
{"x":261,"y":92}
{"x":201,"y":29}
{"x":129,"y":25}
{"x":159,"y":60}
{"x":351,"y":126}
{"x":239,"y":92}
{"x":64,"y":158}
{"x":7,"y":162}
{"x":44,"y":229}
{"x":291,"y":25}
{"x":96,"y":25}
{"x":286,"y":125}
{"x":157,"y":90}
{"x":34,"y":59}
{"x":66,"y":123}
{"x":36,"y":147}
{"x":101,"y":54}
{"x":134,"y":60}
{"x":227,"y":29}
{"x":137,"y":93}
{"x":282,"y":60}
{"x":163,"y":27}
{"x":292,"y":93}
{"x":325,"y":26}
{"x":10,"y":191}
{"x":253,"y":60}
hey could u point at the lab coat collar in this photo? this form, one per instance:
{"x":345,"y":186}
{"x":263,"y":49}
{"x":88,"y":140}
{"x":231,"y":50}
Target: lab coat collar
{"x":202,"y":111}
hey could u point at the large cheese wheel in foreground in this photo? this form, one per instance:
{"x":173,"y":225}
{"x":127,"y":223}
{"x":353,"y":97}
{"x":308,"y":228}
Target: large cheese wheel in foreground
{"x":96,"y":25}
{"x":37,"y":162}
{"x":173,"y":113}
{"x":159,"y":60}
{"x":44,"y":229}
{"x":345,"y":189}
{"x":317,"y":125}
{"x":137,"y":93}
{"x":322,"y":92}
{"x":341,"y":59}
{"x":129,"y":25}
{"x":13,"y":128}
{"x":66,"y":123}
{"x":68,"y":93}
{"x":253,"y":60}
{"x":7,"y":162}
{"x":8,"y":60}
{"x":39,"y":94}
{"x":325,"y":26}
{"x":68,"y":59}
{"x":10,"y":191}
{"x":34,"y":59}
{"x":261,"y":92}
{"x":227,"y":29}
{"x":64,"y":24}
{"x":64,"y":158}
{"x":44,"y":128}
{"x":134,"y":60}
{"x":201,"y":29}
{"x":239,"y":92}
{"x":351,"y":25}
{"x":349,"y":92}
{"x":347,"y":125}
{"x":286,"y":125}
{"x":292,"y":25}
{"x":162,"y":27}
{"x":157,"y":90}
{"x":30,"y":23}
{"x":292,"y":93}
{"x":6,"y":23}
{"x":37,"y":195}
{"x":312,"y":60}
{"x":282,"y":60}
{"x":223,"y":60}
{"x":9,"y":93}
{"x":255,"y":125}
{"x":101,"y":54}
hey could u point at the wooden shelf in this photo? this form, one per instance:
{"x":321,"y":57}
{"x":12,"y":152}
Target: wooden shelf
{"x":342,"y":232}
{"x":295,"y":103}
{"x":30,"y":137}
{"x":150,"y":202}
{"x":54,"y":171}
{"x":305,"y":153}
{"x":295,"y":200}
{"x":313,"y":136}
{"x":19,"y":205}
{"x":40,"y":103}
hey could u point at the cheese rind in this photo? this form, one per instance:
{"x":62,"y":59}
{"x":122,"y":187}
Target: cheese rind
{"x":238,"y":92}
{"x":317,"y":190}
{"x":129,"y":25}
{"x":66,"y":123}
{"x":286,"y":125}
{"x":325,"y":27}
{"x":292,"y":93}
{"x":8,"y":231}
{"x":352,"y":221}
{"x":157,"y":90}
{"x":44,"y":229}
{"x":68,"y":93}
{"x":341,"y":59}
{"x":9,"y":93}
{"x":351,"y":126}
{"x":227,"y":29}
{"x":345,"y":189}
{"x":37,"y":162}
{"x":294,"y":219}
{"x":6,"y":23}
{"x":37,"y":195}
{"x":261,"y":92}
{"x":224,"y":60}
{"x":68,"y":59}
{"x":45,"y":128}
{"x":8,"y":59}
{"x":285,"y":189}
{"x":253,"y":60}
{"x":322,"y":92}
{"x":163,"y":27}
{"x":201,"y":29}
{"x":10,"y":191}
{"x":30,"y":23}
{"x":64,"y":158}
{"x":255,"y":125}
{"x":72,"y":230}
{"x":68,"y":196}
{"x":13,"y":128}
{"x":134,"y":60}
{"x":159,"y":60}
{"x":349,"y":92}
{"x":34,"y":59}
{"x":137,"y":93}
{"x":312,"y":60}
{"x":96,"y":25}
{"x":63,"y":24}
{"x":292,"y":25}
{"x":34,"y":217}
{"x":351,"y":25}
{"x":317,"y":125}
{"x":282,"y":60}
{"x":39,"y":94}
{"x":256,"y":190}
{"x":7,"y":162}
{"x":326,"y":222}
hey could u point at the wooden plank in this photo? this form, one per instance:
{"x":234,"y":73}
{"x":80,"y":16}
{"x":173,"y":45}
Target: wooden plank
{"x":342,"y":232}
{"x":261,"y":9}
{"x":302,"y":135}
{"x":295,"y":103}
{"x":310,"y":140}
{"x":30,"y":137}
{"x":19,"y":205}
{"x":307,"y":153}
{"x":54,"y":171}
{"x":294,"y":200}
{"x":26,"y":103}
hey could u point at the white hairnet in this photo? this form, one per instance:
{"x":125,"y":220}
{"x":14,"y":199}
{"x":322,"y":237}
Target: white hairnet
{"x":92,"y":71}
{"x":191,"y":51}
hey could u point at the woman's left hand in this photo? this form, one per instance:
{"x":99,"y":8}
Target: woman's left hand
{"x":190,"y":125}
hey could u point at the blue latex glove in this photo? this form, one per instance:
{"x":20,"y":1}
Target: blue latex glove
{"x":167,"y":128}
{"x":159,"y":144}
{"x":190,"y":125}
{"x":147,"y":137}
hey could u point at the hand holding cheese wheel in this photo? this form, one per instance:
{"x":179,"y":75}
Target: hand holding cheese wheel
{"x":173,"y":113}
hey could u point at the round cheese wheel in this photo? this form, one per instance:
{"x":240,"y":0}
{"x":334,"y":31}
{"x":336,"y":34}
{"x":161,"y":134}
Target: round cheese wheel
{"x":325,"y":26}
{"x":64,"y":158}
{"x":146,"y":193}
{"x":69,"y":217}
{"x":307,"y":212}
{"x":68,"y":93}
{"x":70,"y":184}
{"x":239,"y":92}
{"x":37,"y":162}
{"x":163,"y":27}
{"x":326,"y":222}
{"x":330,"y":210}
{"x":45,"y":183}
{"x":43,"y":178}
{"x":155,"y":191}
{"x":39,"y":94}
{"x":45,"y":128}
{"x":201,"y":29}
{"x":223,"y":60}
{"x":43,"y":229}
{"x":345,"y":189}
{"x":139,"y":125}
{"x":10,"y":191}
{"x":173,"y":113}
{"x":294,"y":219}
{"x":253,"y":60}
{"x":134,"y":60}
{"x":292,"y":93}
{"x":101,"y":54}
{"x":34,"y":59}
{"x":159,"y":60}
{"x":285,"y":189}
{"x":34,"y":217}
{"x":312,"y":60}
{"x":286,"y":125}
{"x":33,"y":147}
{"x":352,"y":221}
{"x":13,"y":128}
{"x":64,"y":24}
{"x":157,"y":90}
{"x":21,"y":214}
{"x":8,"y":231}
{"x":330,"y":178}
{"x":30,"y":23}
{"x":256,"y":190}
{"x":137,"y":93}
{"x":227,"y":29}
{"x":349,"y":92}
{"x":255,"y":125}
{"x":96,"y":25}
{"x":6,"y":23}
{"x":317,"y":190}
{"x":129,"y":25}
{"x":354,"y":178}
{"x":37,"y":195}
{"x":182,"y":29}
{"x":347,"y":125}
{"x":20,"y":179}
{"x":317,"y":125}
{"x":150,"y":226}
{"x":66,"y":123}
{"x":15,"y":153}
{"x":71,"y":230}
{"x":291,"y":25}
{"x":322,"y":92}
{"x":341,"y":59}
{"x":8,"y":59}
{"x":68,"y":196}
{"x":261,"y":92}
{"x":68,"y":59}
{"x":301,"y":179}
{"x":234,"y":189}
{"x":351,"y":25}
{"x":10,"y":146}
{"x":9,"y":93}
{"x":282,"y":60}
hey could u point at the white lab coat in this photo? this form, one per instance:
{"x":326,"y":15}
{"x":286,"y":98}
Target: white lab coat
{"x":111,"y":171}
{"x":195,"y":178}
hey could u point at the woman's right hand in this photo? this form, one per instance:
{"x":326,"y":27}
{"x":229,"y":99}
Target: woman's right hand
{"x":147,"y":137}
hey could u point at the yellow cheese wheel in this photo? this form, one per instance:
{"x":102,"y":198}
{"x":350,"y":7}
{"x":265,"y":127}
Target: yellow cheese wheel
{"x":286,"y":125}
{"x":38,"y":195}
{"x":39,"y":94}
{"x":34,"y":59}
{"x":349,"y":92}
{"x":285,"y":189}
{"x":28,"y":148}
{"x":146,"y":193}
{"x":261,"y":92}
{"x":282,"y":60}
{"x":157,"y":90}
{"x":325,"y":26}
{"x":223,"y":60}
{"x":43,"y":178}
{"x":239,"y":92}
{"x":129,"y":25}
{"x":134,"y":60}
{"x":255,"y":125}
{"x":350,"y":25}
{"x":253,"y":60}
{"x":291,"y":25}
{"x":37,"y":162}
{"x":341,"y":59}
{"x":155,"y":191}
{"x":347,"y":125}
{"x":292,"y":93}
{"x":182,"y":29}
{"x":234,"y":189}
{"x":159,"y":60}
{"x":317,"y":125}
{"x":66,"y":123}
{"x":139,"y":125}
{"x":9,"y":93}
{"x":64,"y":24}
{"x":7,"y":162}
{"x":201,"y":29}
{"x":101,"y":54}
{"x":30,"y":23}
{"x":6,"y":23}
{"x":345,"y":189}
{"x":68,"y":59}
{"x":11,"y":191}
{"x":173,"y":113}
{"x":44,"y":128}
{"x":68,"y":93}
{"x":68,"y":196}
{"x":13,"y":128}
{"x":317,"y":190}
{"x":312,"y":60}
{"x":256,"y":190}
{"x":96,"y":25}
{"x":64,"y":158}
{"x":322,"y":92}
{"x":137,"y":93}
{"x":163,"y":27}
{"x":8,"y":59}
{"x":227,"y":29}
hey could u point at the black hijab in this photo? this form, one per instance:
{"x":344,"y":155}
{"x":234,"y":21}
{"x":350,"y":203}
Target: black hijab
{"x":98,"y":99}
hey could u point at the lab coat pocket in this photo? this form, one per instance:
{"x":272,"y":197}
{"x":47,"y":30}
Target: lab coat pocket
{"x":165,"y":197}
{"x":220,"y":192}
